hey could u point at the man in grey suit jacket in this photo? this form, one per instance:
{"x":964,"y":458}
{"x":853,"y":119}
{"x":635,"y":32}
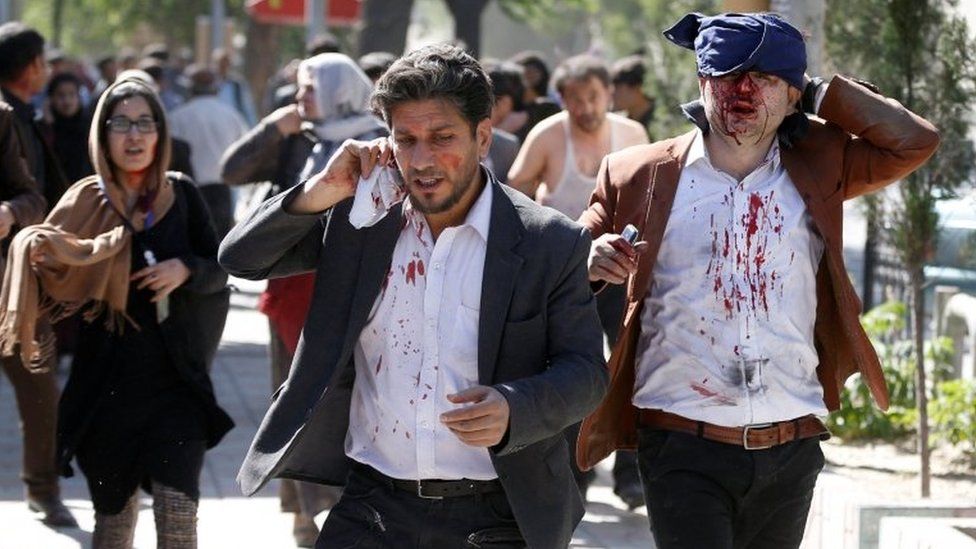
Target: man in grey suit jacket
{"x":450,"y":339}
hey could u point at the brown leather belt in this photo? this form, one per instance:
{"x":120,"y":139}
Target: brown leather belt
{"x":751,"y":437}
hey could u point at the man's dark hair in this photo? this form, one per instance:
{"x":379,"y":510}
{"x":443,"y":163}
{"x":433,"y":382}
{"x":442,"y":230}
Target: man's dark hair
{"x":199,"y":80}
{"x":157,"y":51}
{"x":104,"y":61}
{"x":376,"y":63}
{"x":440,"y":71}
{"x":506,"y":80}
{"x":580,"y":68}
{"x":153,"y":68}
{"x":20,"y":46}
{"x":323,"y":43}
{"x":629,"y":71}
{"x":534,"y":59}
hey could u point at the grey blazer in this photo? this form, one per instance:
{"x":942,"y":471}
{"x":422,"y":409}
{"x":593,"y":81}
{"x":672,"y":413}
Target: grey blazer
{"x":539,"y":343}
{"x":504,"y":149}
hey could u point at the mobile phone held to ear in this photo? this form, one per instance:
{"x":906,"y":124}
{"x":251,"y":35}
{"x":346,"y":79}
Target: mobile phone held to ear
{"x":630,"y":234}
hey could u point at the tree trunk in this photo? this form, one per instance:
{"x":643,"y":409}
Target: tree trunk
{"x":260,"y":60}
{"x":57,"y":22}
{"x":385,"y":25}
{"x":467,"y":22}
{"x":869,"y":275}
{"x":921,"y":393}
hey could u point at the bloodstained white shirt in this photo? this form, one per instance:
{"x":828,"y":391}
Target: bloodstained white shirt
{"x":727,"y":325}
{"x":419,"y":345}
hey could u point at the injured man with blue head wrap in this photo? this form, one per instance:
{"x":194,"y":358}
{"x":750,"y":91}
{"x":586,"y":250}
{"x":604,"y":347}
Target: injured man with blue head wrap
{"x":742,"y":324}
{"x":751,"y":70}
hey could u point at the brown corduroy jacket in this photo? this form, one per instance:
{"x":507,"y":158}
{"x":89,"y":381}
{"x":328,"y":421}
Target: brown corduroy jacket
{"x":864,"y":142}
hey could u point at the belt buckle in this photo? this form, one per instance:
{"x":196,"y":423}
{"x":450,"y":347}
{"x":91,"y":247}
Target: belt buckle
{"x":745,"y":436}
{"x":420,"y":492}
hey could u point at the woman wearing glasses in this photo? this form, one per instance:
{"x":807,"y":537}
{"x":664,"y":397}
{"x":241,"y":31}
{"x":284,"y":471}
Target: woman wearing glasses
{"x":131,"y":248}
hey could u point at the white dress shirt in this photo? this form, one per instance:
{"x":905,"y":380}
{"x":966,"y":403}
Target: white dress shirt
{"x":727,"y":325}
{"x":419,"y":345}
{"x":210,"y":127}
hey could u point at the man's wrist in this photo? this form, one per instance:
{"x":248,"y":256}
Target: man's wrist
{"x":313,"y":197}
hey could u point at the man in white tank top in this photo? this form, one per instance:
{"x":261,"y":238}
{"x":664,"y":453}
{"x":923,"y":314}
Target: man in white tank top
{"x":557,"y":167}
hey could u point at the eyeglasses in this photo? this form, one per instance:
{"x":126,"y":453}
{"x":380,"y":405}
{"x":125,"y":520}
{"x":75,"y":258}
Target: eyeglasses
{"x":121,"y":124}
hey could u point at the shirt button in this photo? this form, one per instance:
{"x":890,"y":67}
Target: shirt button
{"x":437,"y":266}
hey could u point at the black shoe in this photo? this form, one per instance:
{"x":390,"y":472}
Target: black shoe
{"x":55,"y":513}
{"x":631,"y":493}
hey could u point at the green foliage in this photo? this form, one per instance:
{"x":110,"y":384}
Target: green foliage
{"x":92,"y":27}
{"x":954,"y":414}
{"x":920,"y":53}
{"x":858,"y":417}
{"x":635,"y":26}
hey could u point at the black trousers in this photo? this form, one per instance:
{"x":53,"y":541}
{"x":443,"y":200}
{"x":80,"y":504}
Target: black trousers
{"x":708,"y":495}
{"x":372,"y":514}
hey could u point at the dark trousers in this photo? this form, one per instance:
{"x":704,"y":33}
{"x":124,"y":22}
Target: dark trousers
{"x":708,"y":495}
{"x":220,"y":202}
{"x":37,"y":401}
{"x":373,"y":514}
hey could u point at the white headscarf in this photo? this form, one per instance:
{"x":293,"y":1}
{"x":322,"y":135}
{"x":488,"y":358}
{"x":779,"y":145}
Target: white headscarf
{"x":342,"y":93}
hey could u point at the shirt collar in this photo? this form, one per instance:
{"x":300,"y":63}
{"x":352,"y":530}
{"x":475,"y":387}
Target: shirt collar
{"x":478,"y":218}
{"x":697,"y":152}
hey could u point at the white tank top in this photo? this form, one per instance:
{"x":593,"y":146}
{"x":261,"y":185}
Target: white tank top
{"x":572,"y":195}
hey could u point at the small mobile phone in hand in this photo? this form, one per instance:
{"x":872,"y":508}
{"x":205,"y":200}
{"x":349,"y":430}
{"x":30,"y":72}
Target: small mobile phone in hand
{"x":630,"y":234}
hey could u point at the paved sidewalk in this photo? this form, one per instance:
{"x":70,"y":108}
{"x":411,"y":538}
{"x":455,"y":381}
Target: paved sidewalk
{"x":227,"y":519}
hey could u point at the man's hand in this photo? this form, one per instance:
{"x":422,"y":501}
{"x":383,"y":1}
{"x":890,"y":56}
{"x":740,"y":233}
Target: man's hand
{"x":286,"y":119}
{"x":483,"y":423}
{"x":339,"y":178}
{"x":613,"y":259}
{"x":7,"y":221}
{"x":163,"y":277}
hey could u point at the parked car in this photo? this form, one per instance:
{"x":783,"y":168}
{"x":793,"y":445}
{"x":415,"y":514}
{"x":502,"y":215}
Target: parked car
{"x":954,"y":263}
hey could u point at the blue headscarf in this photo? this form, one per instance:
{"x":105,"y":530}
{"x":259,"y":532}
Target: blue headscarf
{"x":740,"y":42}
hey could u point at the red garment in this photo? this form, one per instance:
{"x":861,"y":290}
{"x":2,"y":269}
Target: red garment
{"x":286,"y":302}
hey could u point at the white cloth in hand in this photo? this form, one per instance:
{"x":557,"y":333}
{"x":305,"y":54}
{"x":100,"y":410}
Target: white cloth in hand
{"x":375,"y":195}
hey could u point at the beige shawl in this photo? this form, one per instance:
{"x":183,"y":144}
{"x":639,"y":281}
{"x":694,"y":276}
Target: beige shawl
{"x":87,"y":250}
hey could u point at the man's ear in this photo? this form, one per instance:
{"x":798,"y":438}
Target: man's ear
{"x":482,"y":134}
{"x":794,"y":96}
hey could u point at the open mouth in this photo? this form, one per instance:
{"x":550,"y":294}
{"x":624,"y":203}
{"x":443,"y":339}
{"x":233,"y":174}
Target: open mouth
{"x":742,"y":108}
{"x":427,"y":183}
{"x":134,"y":151}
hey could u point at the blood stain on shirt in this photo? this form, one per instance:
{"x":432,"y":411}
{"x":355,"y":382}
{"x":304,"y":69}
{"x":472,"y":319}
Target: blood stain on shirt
{"x":411,"y":274}
{"x":717,"y":397}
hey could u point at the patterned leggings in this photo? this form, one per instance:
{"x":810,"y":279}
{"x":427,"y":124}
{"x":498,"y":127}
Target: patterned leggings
{"x":176,"y":521}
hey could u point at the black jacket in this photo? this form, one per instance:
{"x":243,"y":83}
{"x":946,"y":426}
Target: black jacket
{"x":187,"y":333}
